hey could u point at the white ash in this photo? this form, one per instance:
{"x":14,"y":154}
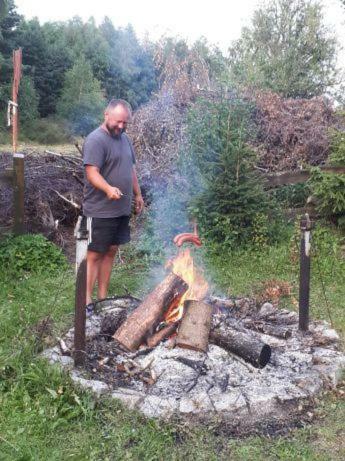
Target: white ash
{"x":219,"y":385}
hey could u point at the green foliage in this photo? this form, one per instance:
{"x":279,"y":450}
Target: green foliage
{"x":46,"y":58}
{"x":329,"y":189}
{"x":47,"y":131}
{"x":229,"y":201}
{"x":287,"y":49}
{"x":122,"y":66}
{"x":28,"y":102}
{"x":292,"y":195}
{"x":337,"y":148}
{"x":81,"y":101}
{"x":130,"y":73}
{"x":30,"y":253}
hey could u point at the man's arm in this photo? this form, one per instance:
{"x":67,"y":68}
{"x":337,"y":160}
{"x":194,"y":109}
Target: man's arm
{"x":138,"y":198}
{"x":96,"y":180}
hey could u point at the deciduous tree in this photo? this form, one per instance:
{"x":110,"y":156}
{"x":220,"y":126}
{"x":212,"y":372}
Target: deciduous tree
{"x":287,"y":49}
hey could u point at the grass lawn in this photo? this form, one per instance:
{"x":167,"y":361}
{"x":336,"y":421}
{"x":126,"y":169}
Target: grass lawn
{"x":43,"y":416}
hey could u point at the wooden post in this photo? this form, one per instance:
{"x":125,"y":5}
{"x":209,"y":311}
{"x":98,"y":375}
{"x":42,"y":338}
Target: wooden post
{"x":81,"y":234}
{"x":18,"y":159}
{"x":304,"y":278}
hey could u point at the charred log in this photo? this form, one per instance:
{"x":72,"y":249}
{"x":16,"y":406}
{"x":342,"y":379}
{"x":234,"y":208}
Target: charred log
{"x":164,"y":333}
{"x":150,"y":312}
{"x":244,"y":344}
{"x":111,"y":322}
{"x":271,"y":330}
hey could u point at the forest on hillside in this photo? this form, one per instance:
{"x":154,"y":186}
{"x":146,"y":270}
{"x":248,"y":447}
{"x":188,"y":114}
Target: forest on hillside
{"x":272,"y":103}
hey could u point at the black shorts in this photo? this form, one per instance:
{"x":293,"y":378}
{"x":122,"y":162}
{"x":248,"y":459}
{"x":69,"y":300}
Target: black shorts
{"x":105,"y":232}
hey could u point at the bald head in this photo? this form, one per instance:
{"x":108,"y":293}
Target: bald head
{"x":116,"y":116}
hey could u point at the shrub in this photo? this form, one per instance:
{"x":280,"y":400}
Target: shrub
{"x":329,"y":188}
{"x":292,"y":195}
{"x":229,"y":202}
{"x":46,"y":131}
{"x":30,"y":253}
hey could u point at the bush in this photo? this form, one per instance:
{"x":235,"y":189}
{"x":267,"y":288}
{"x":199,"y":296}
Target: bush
{"x":337,"y":155}
{"x":292,"y":195}
{"x":231,"y":205}
{"x":46,"y":131}
{"x":329,"y":188}
{"x":30,"y":253}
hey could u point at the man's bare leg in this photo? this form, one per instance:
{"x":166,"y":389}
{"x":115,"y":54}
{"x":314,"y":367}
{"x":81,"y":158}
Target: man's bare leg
{"x":94,"y":260}
{"x":104,"y":272}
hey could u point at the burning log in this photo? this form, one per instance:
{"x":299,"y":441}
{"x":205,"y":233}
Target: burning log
{"x":243,"y":344}
{"x":165,"y":332}
{"x":150,"y":312}
{"x":195,"y":326}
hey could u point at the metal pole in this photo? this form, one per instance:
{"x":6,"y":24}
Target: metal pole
{"x":81,"y":234}
{"x":18,"y":158}
{"x":304,"y":278}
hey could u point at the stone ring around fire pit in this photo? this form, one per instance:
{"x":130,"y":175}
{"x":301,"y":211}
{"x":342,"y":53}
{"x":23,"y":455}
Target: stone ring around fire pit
{"x":171,"y":383}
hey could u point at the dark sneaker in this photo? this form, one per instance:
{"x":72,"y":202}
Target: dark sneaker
{"x":90,"y":309}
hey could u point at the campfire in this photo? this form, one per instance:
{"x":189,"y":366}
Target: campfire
{"x":184,"y":351}
{"x":178,"y":304}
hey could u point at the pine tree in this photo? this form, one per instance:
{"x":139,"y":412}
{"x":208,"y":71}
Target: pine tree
{"x":229,"y":201}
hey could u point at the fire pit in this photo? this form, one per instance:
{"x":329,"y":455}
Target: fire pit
{"x":167,"y":381}
{"x":181,"y":353}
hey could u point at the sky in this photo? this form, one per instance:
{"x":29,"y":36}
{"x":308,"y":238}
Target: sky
{"x":220,"y":21}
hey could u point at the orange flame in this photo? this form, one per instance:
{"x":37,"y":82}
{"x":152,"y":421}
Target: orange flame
{"x":183,"y":266}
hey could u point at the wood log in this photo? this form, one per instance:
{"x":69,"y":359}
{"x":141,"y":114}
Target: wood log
{"x":111,"y":322}
{"x":268,"y":329}
{"x":195,"y":326}
{"x":150,"y":312}
{"x":165,"y":332}
{"x":243,"y":344}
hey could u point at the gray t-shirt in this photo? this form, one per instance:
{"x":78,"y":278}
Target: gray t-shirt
{"x":115,"y":159}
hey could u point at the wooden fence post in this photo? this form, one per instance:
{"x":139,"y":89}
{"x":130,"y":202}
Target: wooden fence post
{"x":82,"y":235}
{"x":304,"y":280}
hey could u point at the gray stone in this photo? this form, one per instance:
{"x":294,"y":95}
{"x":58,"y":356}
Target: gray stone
{"x":97,"y":387}
{"x":267,"y":309}
{"x":129,"y":398}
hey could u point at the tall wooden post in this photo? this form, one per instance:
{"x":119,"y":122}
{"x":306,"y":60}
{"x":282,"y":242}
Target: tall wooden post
{"x":18,"y":158}
{"x":304,"y":280}
{"x":82,"y":235}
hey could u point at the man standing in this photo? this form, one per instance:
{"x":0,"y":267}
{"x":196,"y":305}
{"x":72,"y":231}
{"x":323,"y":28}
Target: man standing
{"x":111,"y":182}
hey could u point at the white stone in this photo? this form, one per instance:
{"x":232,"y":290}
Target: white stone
{"x":154,"y":406}
{"x":267,"y":309}
{"x":129,"y":398}
{"x":97,"y":387}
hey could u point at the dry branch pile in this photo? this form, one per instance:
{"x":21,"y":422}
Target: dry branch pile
{"x":53,"y":184}
{"x":157,"y":130}
{"x":292,"y":132}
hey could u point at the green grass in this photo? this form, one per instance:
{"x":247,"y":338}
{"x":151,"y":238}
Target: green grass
{"x":43,"y":416}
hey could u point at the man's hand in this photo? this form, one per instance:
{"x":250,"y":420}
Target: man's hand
{"x":139,"y":203}
{"x":113,"y":193}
